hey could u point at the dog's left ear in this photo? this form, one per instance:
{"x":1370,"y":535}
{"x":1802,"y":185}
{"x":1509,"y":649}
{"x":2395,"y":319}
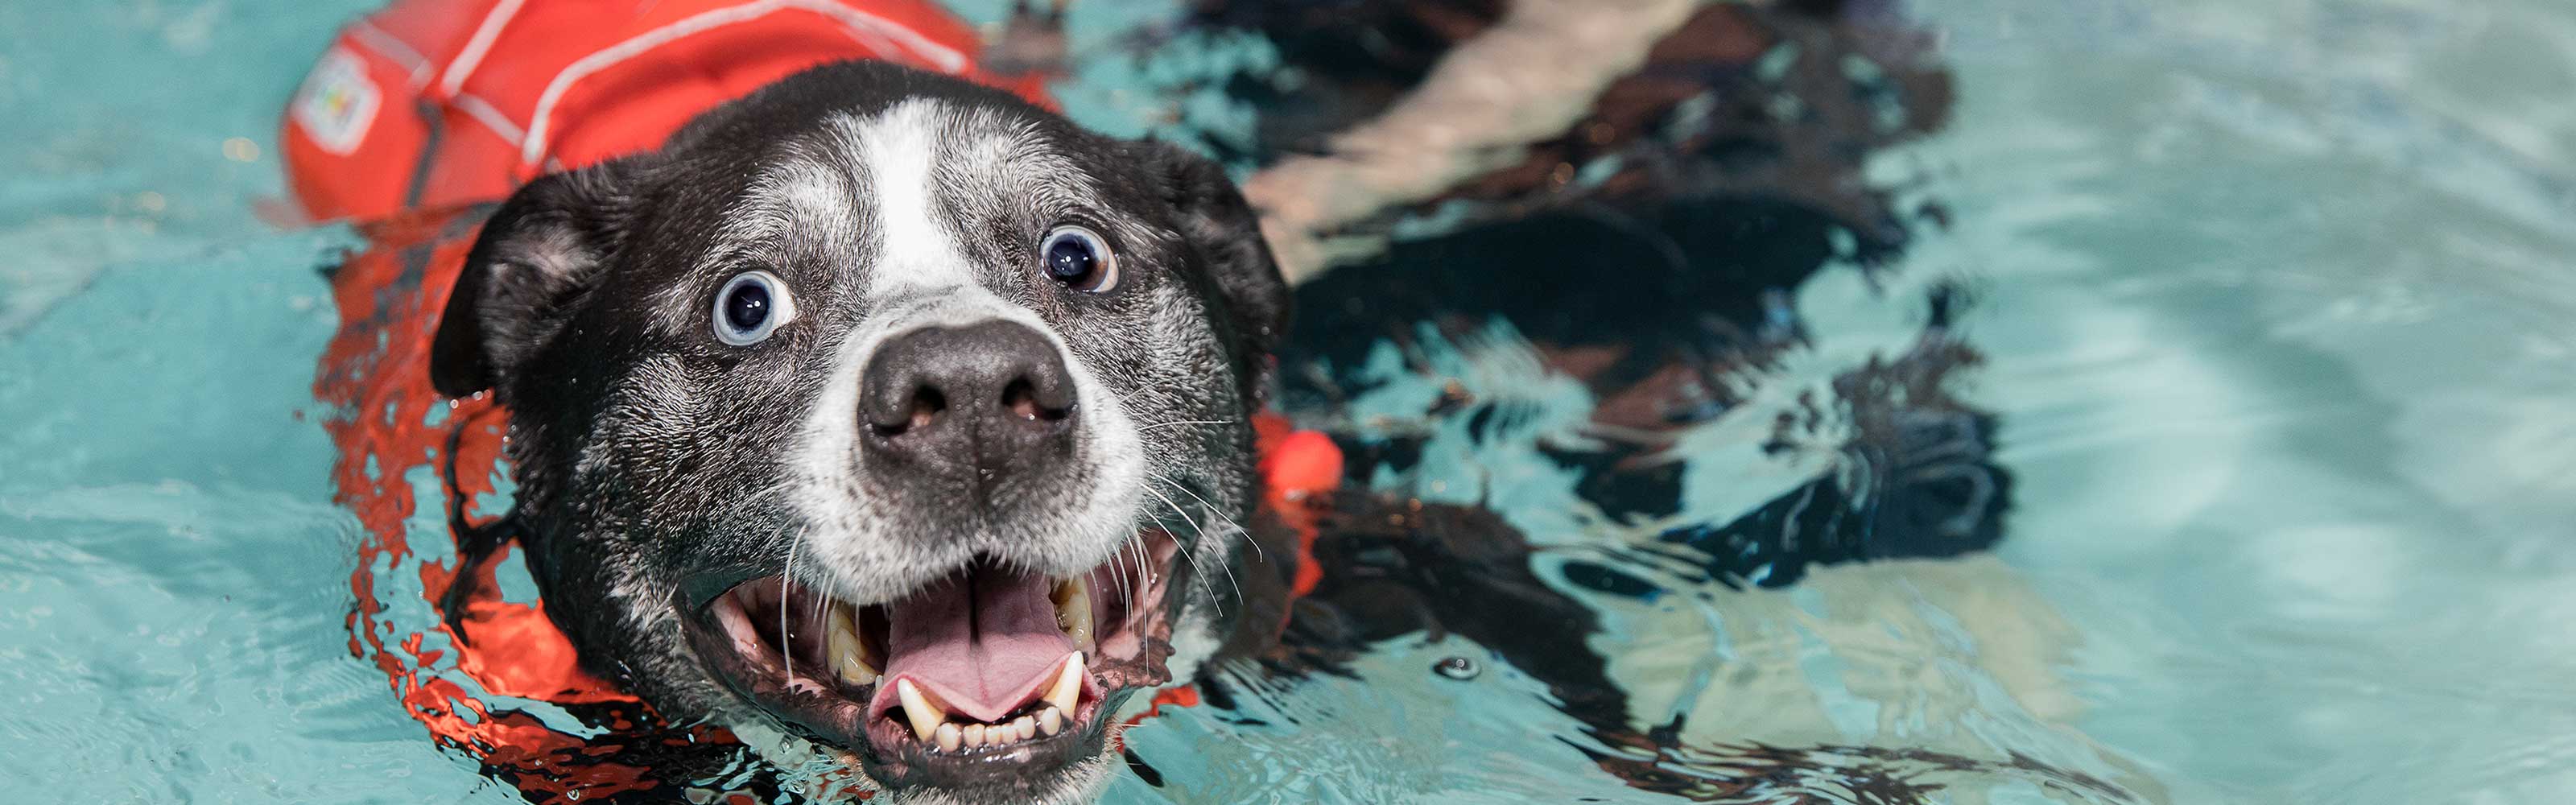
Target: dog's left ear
{"x":1216,"y":219}
{"x":534,"y":257}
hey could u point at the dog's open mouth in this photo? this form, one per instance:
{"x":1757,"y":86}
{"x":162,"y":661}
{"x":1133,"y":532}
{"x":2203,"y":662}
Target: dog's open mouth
{"x":986,"y":677}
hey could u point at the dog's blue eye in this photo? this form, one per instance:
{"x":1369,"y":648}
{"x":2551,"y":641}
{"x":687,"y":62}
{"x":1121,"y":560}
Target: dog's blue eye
{"x":750,"y":307}
{"x":1079,"y":258}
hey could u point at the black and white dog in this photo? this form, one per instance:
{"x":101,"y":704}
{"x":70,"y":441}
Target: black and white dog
{"x":901,"y":425}
{"x":884,"y":413}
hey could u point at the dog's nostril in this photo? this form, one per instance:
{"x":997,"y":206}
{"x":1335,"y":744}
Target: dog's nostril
{"x":1018,"y":398}
{"x":926,"y":406}
{"x":1021,"y":399}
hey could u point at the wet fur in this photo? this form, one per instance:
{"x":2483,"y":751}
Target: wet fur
{"x":1391,"y":566}
{"x":657,"y":466}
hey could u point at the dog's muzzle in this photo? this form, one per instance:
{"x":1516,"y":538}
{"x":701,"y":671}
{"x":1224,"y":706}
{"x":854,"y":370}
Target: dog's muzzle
{"x":992,"y":678}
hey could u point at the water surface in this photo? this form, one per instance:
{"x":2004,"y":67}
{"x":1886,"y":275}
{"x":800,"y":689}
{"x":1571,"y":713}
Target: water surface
{"x":2276,"y":300}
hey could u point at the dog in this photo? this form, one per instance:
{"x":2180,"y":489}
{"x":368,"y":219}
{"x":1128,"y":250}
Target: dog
{"x":909,"y":432}
{"x":885,"y":407}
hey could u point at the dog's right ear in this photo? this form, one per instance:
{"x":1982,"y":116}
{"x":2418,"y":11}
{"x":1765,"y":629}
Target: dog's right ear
{"x":534,"y":258}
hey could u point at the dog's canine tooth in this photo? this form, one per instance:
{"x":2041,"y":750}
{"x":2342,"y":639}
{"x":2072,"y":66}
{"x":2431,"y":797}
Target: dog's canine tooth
{"x":950,"y":736}
{"x":925,"y":717}
{"x":849,"y":656}
{"x":1073,"y":611}
{"x":1050,"y":720}
{"x":1067,"y":691}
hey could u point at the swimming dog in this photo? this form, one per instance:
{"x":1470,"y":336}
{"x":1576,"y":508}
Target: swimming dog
{"x":899,"y":425}
{"x":884,"y":407}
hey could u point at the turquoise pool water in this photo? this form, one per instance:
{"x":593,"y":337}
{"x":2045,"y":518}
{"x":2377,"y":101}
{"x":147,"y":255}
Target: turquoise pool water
{"x":2277,"y":300}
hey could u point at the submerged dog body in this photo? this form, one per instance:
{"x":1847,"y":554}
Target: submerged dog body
{"x":882,"y":408}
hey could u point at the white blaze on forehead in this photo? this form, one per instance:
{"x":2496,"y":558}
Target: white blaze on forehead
{"x":905,"y":177}
{"x":915,"y":249}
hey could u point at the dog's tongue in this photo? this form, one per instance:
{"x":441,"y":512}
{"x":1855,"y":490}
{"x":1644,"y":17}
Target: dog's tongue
{"x":983,"y":643}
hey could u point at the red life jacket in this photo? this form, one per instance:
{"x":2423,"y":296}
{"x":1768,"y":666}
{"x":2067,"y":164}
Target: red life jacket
{"x":434,"y":104}
{"x":416,"y":114}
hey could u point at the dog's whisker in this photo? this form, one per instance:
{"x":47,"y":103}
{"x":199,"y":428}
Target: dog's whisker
{"x":1134,"y":547}
{"x":786,"y":641}
{"x":1208,"y":591}
{"x":1116,"y":572}
{"x":1236,"y":528}
{"x":1211,"y":508}
{"x":1140,"y":564}
{"x":1200,"y":558}
{"x":822,"y":603}
{"x":1183,"y":422}
{"x":773,"y":489}
{"x":1228,"y":568}
{"x":1196,"y":531}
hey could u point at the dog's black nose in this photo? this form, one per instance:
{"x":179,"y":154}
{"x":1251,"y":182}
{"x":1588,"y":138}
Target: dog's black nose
{"x":992,"y":396}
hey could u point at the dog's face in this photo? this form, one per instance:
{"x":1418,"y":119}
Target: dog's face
{"x":883,"y":410}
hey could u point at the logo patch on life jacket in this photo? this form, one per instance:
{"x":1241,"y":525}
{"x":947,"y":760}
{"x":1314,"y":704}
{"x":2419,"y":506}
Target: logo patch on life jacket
{"x":337,"y":102}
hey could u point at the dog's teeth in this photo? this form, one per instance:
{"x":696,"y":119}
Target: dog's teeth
{"x":974,"y":734}
{"x":1024,"y":728}
{"x":949,"y":736}
{"x":849,"y":656}
{"x":1073,"y":611}
{"x":1050,"y":721}
{"x":925,"y":717}
{"x":1067,"y":691}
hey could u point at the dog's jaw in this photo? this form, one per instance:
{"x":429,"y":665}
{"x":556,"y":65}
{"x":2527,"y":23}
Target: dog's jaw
{"x":826,"y":769}
{"x":1077,"y":784}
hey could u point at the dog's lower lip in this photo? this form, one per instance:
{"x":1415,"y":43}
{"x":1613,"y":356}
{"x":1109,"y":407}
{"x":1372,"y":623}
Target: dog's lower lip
{"x":830,"y":670}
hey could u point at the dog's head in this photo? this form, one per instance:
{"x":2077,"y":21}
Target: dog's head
{"x":884,"y":410}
